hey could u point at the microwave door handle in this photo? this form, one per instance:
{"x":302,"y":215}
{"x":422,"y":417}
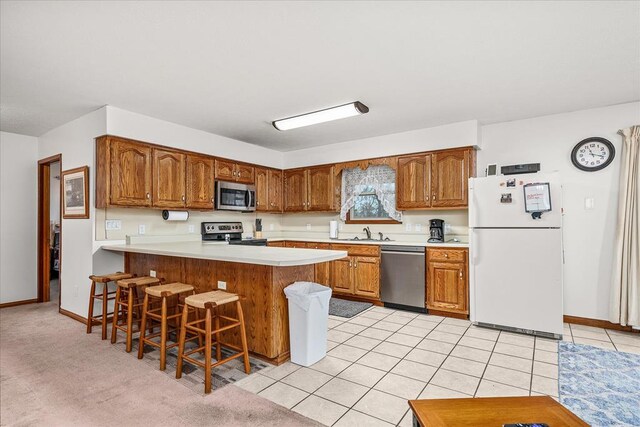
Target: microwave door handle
{"x":247,"y":199}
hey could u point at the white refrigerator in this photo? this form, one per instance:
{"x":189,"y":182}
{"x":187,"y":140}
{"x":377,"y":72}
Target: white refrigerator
{"x":515,"y":251}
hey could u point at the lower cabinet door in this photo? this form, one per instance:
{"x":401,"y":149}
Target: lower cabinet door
{"x":447,"y":287}
{"x":323,"y":273}
{"x":366,"y":276}
{"x":342,"y":275}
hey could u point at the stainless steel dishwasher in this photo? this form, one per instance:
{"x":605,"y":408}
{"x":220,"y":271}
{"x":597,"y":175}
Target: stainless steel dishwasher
{"x":402,"y":272}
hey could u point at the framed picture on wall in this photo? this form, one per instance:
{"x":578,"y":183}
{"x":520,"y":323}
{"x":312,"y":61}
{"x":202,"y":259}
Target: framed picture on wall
{"x":75,"y":187}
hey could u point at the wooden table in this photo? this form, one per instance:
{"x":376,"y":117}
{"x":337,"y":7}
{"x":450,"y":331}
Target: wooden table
{"x":492,"y":411}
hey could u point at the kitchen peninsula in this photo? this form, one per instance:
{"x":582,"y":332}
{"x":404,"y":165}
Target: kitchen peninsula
{"x":257,"y":274}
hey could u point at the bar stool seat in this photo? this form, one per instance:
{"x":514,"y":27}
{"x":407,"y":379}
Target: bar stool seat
{"x":216,"y":298}
{"x":211,"y":303}
{"x":169,"y":289}
{"x":127,"y":300}
{"x":105,"y":296}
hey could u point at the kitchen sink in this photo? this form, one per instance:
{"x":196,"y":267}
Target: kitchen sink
{"x":358,"y":239}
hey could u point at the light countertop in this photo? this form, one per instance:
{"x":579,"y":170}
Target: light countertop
{"x":370,"y":242}
{"x":261,"y":255}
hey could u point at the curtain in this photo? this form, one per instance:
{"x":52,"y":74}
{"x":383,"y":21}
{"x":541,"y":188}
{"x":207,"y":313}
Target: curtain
{"x":624,"y":306}
{"x":383,"y":181}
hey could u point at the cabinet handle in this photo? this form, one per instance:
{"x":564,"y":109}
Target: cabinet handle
{"x":355,"y":264}
{"x":183,"y":198}
{"x":350,"y":264}
{"x":238,"y":174}
{"x":461,"y":274}
{"x":446,"y":255}
{"x":212,"y":199}
{"x":234,"y":173}
{"x":148,"y":196}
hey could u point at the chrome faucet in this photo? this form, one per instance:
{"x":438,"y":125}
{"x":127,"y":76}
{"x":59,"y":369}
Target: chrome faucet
{"x":366,"y":230}
{"x":381,"y":236}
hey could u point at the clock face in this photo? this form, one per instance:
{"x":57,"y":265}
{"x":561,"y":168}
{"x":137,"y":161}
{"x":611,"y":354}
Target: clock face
{"x":593,"y":154}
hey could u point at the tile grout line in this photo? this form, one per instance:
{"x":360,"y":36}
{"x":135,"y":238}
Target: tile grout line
{"x":487,"y":365}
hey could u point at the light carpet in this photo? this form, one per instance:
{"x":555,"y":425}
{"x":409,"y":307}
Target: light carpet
{"x":600,"y":386}
{"x":52,"y":373}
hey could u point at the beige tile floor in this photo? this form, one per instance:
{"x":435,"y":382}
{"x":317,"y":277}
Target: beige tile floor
{"x":380,"y":358}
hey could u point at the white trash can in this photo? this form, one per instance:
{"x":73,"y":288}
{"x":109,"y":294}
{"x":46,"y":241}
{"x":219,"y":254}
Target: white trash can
{"x":308,"y":318}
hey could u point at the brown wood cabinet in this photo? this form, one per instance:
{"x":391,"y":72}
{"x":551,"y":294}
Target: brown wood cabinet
{"x":447,"y":287}
{"x":123,"y":173}
{"x":310,"y":189}
{"x":359,"y":274}
{"x":434,"y":180}
{"x":451,"y":170}
{"x":413,"y":181}
{"x":169,"y":186}
{"x":268,"y":190}
{"x":228,"y":170}
{"x":199,"y":182}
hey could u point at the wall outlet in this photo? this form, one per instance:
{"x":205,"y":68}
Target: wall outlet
{"x":152,"y":273}
{"x":113,"y":224}
{"x":418,"y":227}
{"x":407,"y":226}
{"x":447,"y":228}
{"x":308,"y":227}
{"x":222,"y":285}
{"x":192,"y":228}
{"x":141,"y":229}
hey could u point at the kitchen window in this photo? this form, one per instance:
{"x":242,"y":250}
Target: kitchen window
{"x":369,"y":196}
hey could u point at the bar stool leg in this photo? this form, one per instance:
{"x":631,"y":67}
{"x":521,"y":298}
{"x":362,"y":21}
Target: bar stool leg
{"x":116,"y":309}
{"x":129,"y":320}
{"x":207,"y":352}
{"x":143,"y":326}
{"x":105,"y":292}
{"x":163,"y":335}
{"x":183,"y":335}
{"x":217,"y":326}
{"x":91,"y":302}
{"x":243,"y":336}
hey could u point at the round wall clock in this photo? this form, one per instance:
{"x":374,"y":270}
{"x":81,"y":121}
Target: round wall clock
{"x":593,"y":154}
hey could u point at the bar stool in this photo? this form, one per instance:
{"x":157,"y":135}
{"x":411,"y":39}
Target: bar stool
{"x":105,"y":279}
{"x":162,"y":292}
{"x":211,"y":302}
{"x":127,"y":300}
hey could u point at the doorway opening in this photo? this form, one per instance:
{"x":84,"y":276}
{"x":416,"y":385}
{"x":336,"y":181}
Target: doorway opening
{"x":49,"y":229}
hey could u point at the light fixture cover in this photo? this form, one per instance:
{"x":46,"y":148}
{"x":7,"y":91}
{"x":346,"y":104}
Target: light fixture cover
{"x":326,"y":115}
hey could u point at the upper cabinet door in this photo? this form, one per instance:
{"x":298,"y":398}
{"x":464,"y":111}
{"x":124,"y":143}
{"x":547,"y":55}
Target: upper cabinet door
{"x":262,"y":189}
{"x":275,"y":190}
{"x":450,"y":176}
{"x":320,"y":189}
{"x":413,"y":181}
{"x":295,"y":190}
{"x":199,"y":177}
{"x":225,"y":170}
{"x":130,"y":181}
{"x":245,"y":173}
{"x":168,"y":179}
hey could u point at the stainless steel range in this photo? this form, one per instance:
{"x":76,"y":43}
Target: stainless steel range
{"x":227,"y":231}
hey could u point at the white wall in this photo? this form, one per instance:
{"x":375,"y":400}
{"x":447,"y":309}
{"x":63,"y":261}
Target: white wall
{"x":18,"y":217}
{"x":588,"y":234}
{"x":462,"y":134}
{"x":144,"y":128}
{"x":54,"y":192}
{"x":75,"y":141}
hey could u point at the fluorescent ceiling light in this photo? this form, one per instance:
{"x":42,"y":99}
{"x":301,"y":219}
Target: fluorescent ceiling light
{"x":327,"y":115}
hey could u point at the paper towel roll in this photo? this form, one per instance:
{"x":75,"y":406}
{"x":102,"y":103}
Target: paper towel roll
{"x":333,"y":229}
{"x":175,"y":215}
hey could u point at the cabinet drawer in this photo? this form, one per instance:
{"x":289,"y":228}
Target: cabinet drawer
{"x":362,"y":250}
{"x":299,"y":245}
{"x":442,"y":254}
{"x":315,"y":245}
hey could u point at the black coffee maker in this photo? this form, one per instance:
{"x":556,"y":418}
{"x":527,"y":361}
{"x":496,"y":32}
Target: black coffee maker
{"x":436,"y":231}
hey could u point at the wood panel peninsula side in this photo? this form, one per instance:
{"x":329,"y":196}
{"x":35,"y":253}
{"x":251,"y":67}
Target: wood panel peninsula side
{"x":258,"y":274}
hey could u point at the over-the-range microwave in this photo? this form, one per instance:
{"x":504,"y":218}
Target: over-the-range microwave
{"x":231,"y":196}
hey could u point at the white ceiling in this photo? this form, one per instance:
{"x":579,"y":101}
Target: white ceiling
{"x":232,"y":67}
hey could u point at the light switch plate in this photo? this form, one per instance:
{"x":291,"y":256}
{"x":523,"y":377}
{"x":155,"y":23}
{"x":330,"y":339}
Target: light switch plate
{"x":222,"y":285}
{"x":418,"y":227}
{"x":113,"y":224}
{"x":589,"y":203}
{"x":407,"y":226}
{"x":141,"y":229}
{"x":192,"y":228}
